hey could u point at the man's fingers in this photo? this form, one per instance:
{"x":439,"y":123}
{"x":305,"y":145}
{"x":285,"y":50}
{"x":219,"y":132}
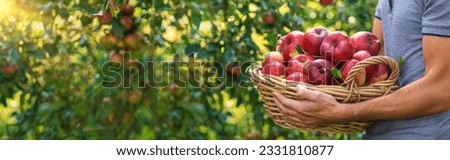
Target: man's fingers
{"x":284,"y":109}
{"x":296,"y":105}
{"x":293,"y":110}
{"x":291,"y":115}
{"x":307,"y":94}
{"x":287,"y":102}
{"x":310,"y":95}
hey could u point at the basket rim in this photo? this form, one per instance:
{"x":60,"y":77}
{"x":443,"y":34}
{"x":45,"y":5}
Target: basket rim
{"x":349,"y":83}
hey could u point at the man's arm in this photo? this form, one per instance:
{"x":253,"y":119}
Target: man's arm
{"x":427,"y":96}
{"x":377,"y":30}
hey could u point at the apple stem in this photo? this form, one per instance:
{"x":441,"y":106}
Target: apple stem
{"x":279,"y":36}
{"x":278,"y":48}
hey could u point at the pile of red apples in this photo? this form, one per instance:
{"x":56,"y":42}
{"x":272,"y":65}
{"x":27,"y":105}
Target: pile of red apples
{"x":320,"y":57}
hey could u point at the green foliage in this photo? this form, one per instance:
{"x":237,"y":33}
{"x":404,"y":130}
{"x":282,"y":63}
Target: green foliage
{"x":58,"y":92}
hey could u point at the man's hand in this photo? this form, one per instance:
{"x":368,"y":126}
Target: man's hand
{"x":313,"y":109}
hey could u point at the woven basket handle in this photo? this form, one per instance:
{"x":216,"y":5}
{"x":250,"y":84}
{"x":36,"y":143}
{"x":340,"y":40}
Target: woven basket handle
{"x":388,"y":83}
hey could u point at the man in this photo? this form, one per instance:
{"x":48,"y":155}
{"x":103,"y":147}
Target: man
{"x":418,"y":31}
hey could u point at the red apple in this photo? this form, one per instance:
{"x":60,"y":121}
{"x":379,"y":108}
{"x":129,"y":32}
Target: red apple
{"x":109,"y":119}
{"x":127,"y":22}
{"x":109,"y":41}
{"x":132,"y":41}
{"x":299,"y":77}
{"x":366,"y":41}
{"x":173,"y":88}
{"x":269,"y":18}
{"x":362,"y":55}
{"x":115,"y":57}
{"x":127,"y":117}
{"x":274,"y":68}
{"x":9,"y":70}
{"x":106,"y":18}
{"x":326,"y":2}
{"x":290,"y":43}
{"x":233,"y":68}
{"x":319,"y":72}
{"x":337,"y":47}
{"x":135,"y":97}
{"x":382,"y":73}
{"x":312,"y":40}
{"x":127,"y":9}
{"x":296,"y":63}
{"x":253,"y":136}
{"x":360,"y":77}
{"x":273,"y":57}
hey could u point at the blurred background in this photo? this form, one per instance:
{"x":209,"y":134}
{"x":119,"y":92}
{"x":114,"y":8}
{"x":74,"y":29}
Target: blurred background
{"x":69,"y":71}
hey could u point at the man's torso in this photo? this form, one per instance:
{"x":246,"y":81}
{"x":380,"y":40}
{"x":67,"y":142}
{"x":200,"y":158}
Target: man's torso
{"x":403,"y":31}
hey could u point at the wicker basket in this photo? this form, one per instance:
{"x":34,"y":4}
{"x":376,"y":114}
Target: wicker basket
{"x":349,"y":92}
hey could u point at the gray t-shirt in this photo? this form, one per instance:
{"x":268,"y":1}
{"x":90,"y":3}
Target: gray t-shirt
{"x":404,"y":24}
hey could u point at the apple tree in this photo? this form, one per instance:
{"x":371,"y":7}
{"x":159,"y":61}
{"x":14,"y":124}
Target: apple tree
{"x":119,"y":69}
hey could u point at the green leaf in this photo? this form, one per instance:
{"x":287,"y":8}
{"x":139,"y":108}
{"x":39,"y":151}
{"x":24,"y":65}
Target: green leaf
{"x":51,"y":49}
{"x":196,"y":20}
{"x":46,"y":108}
{"x":336,"y":73}
{"x":14,"y":54}
{"x":39,"y":54}
{"x":229,"y":56}
{"x":83,"y":41}
{"x":401,"y":61}
{"x":117,"y":29}
{"x":273,"y":39}
{"x":202,"y":54}
{"x":192,"y":48}
{"x":299,"y":49}
{"x":3,"y":101}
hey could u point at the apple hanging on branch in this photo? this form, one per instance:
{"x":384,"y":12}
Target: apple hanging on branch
{"x":233,"y":68}
{"x":269,"y":18}
{"x":132,"y":41}
{"x":127,"y":9}
{"x":127,"y":22}
{"x":109,"y":41}
{"x":135,"y":97}
{"x":9,"y":70}
{"x":105,"y":18}
{"x":326,"y":2}
{"x":116,"y":57}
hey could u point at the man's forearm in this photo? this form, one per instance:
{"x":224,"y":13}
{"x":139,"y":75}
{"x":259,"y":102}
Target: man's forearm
{"x":427,"y":96}
{"x":424,"y":97}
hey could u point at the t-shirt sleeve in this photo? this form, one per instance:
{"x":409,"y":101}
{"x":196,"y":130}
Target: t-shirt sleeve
{"x":436,"y":18}
{"x":378,"y":10}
